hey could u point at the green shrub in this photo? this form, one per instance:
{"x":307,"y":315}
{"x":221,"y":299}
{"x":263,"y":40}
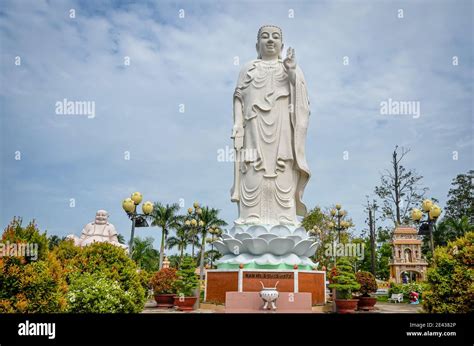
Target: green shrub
{"x":344,"y":280}
{"x":145,"y":278}
{"x":94,"y":293}
{"x":65,"y":251}
{"x":187,"y":279}
{"x":451,"y":287}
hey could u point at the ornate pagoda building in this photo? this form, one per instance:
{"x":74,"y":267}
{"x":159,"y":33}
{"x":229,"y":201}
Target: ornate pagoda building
{"x":407,"y":264}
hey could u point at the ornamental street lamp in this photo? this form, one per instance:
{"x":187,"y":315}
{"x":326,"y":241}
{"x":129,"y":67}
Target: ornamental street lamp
{"x":215,"y":236}
{"x":129,"y":205}
{"x":193,"y":220}
{"x":432,"y":212}
{"x":338,"y":224}
{"x":315,"y":232}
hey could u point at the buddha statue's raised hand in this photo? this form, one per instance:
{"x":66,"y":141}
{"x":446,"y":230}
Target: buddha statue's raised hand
{"x":290,"y":61}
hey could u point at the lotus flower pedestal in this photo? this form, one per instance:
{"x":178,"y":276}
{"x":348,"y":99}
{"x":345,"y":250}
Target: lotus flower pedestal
{"x":266,"y":247}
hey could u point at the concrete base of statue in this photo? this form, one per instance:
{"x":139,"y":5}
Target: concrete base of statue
{"x":243,"y":280}
{"x":251,"y":302}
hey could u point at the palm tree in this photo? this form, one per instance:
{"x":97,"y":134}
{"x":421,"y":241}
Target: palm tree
{"x":193,"y":239}
{"x":460,"y":226}
{"x":216,"y":234}
{"x":165,"y":217}
{"x":121,"y":238}
{"x":54,"y":241}
{"x":144,"y":254}
{"x":180,"y":241}
{"x":211,"y":220}
{"x":450,"y":229}
{"x":212,"y":256}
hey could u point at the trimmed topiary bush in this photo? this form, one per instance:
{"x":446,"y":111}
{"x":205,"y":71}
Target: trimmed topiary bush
{"x":367,"y":283}
{"x":344,"y":280}
{"x":451,"y":279}
{"x":187,"y":279}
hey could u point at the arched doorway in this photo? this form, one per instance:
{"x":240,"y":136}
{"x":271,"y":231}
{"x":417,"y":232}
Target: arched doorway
{"x":408,"y":276}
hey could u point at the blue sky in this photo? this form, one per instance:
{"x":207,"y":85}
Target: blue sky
{"x":190,"y":61}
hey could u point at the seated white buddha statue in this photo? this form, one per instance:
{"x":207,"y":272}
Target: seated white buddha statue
{"x":98,"y":231}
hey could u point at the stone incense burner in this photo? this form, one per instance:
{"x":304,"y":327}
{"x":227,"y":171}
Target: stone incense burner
{"x":269,"y":296}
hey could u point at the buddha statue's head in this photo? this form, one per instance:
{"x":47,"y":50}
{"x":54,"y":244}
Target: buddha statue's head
{"x":101,"y":217}
{"x":269,"y":42}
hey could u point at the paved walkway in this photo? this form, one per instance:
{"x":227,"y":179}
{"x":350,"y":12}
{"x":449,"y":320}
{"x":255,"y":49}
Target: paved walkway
{"x":384,"y":308}
{"x":398,"y":308}
{"x":150,"y":308}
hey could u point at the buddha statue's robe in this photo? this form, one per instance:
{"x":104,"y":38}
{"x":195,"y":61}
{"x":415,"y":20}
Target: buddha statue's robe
{"x":272,"y":171}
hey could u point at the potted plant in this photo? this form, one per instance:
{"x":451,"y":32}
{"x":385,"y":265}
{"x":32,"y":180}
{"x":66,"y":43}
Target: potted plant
{"x":163,"y":287}
{"x":185,"y":284}
{"x":345,"y":283}
{"x":368,"y":285}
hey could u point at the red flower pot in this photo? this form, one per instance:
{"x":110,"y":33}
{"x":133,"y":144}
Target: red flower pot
{"x":185,"y":303}
{"x":164,"y":301}
{"x":366,"y":303}
{"x":346,"y":306}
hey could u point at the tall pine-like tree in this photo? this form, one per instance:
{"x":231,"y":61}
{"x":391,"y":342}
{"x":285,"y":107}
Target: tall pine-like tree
{"x":461,"y":197}
{"x":399,"y":190}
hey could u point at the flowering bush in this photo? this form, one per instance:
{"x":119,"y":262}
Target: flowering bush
{"x":419,"y":287}
{"x":113,"y":263}
{"x":93,"y":293}
{"x":367,"y":283}
{"x":163,"y":281}
{"x":450,"y":280}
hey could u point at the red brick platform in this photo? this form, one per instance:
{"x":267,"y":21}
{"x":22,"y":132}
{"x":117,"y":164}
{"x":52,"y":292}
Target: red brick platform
{"x":221,"y":281}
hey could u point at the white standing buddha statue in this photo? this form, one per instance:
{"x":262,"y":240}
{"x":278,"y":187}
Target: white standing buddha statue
{"x":271,"y":113}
